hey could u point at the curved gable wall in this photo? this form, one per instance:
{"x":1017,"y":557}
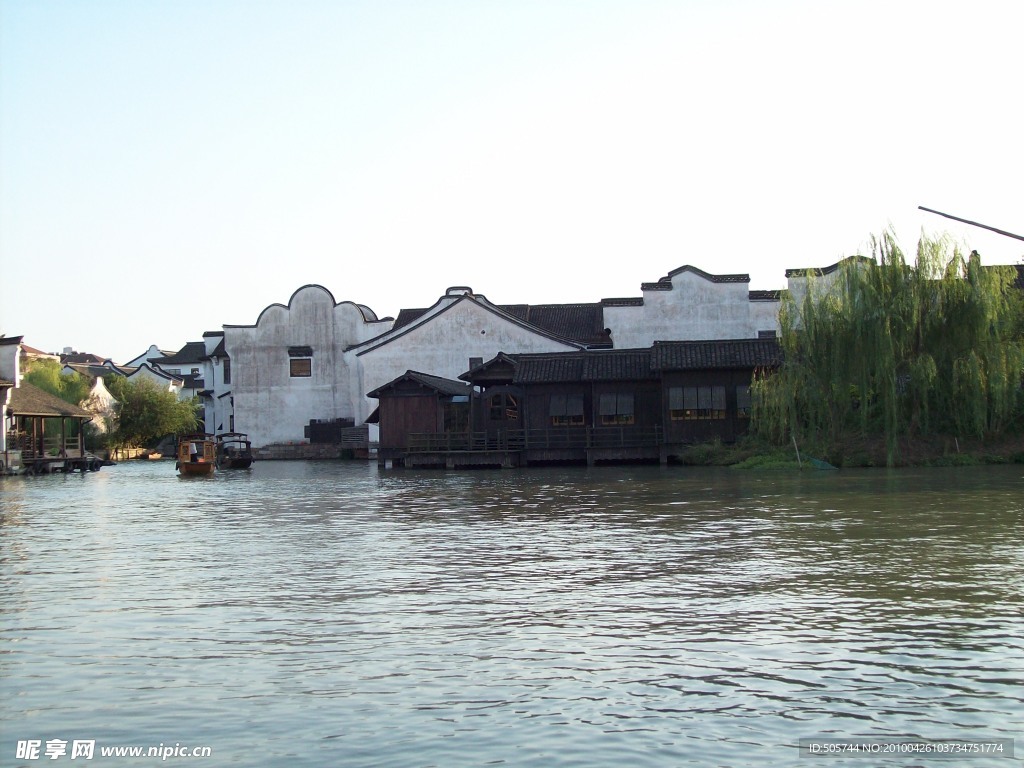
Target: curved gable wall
{"x":271,"y":405}
{"x":690,"y":304}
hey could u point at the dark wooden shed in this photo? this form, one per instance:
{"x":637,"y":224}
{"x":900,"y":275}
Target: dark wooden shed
{"x":420,"y":404}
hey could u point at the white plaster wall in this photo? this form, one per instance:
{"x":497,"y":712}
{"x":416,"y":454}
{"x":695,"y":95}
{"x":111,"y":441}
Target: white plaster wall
{"x":817,"y":285}
{"x":150,"y":354}
{"x":10,"y":363}
{"x":764,"y":316}
{"x":10,"y":370}
{"x":217,"y":409}
{"x":270,"y":405}
{"x":163,"y":382}
{"x":101,"y":404}
{"x":443,"y":347}
{"x":695,"y":309}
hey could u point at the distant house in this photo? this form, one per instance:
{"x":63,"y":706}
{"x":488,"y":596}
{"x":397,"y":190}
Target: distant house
{"x":100,"y":402}
{"x":70,"y":357}
{"x":157,"y":376}
{"x":148,"y":356}
{"x":26,"y":411}
{"x":187,"y":365}
{"x":218,"y":402}
{"x":199,"y":369}
{"x":28,"y":355}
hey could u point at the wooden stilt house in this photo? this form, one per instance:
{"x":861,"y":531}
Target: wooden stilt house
{"x":47,"y":432}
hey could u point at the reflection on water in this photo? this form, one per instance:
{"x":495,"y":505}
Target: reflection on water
{"x":322,"y":613}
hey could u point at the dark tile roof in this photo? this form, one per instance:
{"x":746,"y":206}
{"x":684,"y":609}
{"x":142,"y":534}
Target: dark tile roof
{"x":819,"y":271}
{"x":192,"y":352}
{"x":95,"y":371}
{"x":27,"y":351}
{"x":608,"y":365}
{"x":665,"y":283}
{"x":436,"y":383}
{"x":550,"y":367}
{"x":81,"y":358}
{"x":638,"y":301}
{"x":582,"y":323}
{"x":709,"y":355}
{"x":29,"y":400}
{"x":406,"y":316}
{"x":220,"y":350}
{"x":765,"y":295}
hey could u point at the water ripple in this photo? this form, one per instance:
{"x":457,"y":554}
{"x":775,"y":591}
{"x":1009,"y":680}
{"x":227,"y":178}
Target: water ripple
{"x":322,"y":613}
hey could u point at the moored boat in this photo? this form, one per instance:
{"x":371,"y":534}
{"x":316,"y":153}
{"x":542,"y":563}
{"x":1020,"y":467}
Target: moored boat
{"x":197,"y":455}
{"x":234,"y":451}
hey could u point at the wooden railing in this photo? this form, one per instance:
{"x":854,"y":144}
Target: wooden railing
{"x":47,"y":446}
{"x":571,"y":438}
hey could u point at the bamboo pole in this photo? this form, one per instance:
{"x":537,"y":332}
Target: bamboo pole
{"x":972,"y":223}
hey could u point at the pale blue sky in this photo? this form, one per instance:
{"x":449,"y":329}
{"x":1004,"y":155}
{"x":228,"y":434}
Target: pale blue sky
{"x":169,"y":167}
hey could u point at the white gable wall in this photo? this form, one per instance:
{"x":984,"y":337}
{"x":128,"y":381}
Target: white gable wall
{"x":696,"y":308}
{"x":271,"y":405}
{"x":10,"y":363}
{"x":150,"y":354}
{"x":441,"y":344}
{"x":161,"y":379}
{"x":217,"y":408}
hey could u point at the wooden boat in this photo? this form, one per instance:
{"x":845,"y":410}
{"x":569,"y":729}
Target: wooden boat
{"x":197,"y":455}
{"x":234,"y":451}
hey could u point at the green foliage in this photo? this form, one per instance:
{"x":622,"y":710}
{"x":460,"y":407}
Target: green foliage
{"x":768,"y":461}
{"x":70,"y":387}
{"x":147,"y":412}
{"x":896,"y":350}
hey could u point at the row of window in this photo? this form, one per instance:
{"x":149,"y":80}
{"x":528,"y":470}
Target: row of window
{"x":618,"y":408}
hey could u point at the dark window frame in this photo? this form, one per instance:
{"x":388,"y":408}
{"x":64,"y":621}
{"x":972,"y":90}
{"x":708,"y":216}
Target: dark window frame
{"x":704,"y":402}
{"x":617,"y":409}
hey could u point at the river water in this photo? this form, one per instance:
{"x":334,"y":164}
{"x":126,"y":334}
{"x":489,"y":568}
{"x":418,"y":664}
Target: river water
{"x":317,"y":614}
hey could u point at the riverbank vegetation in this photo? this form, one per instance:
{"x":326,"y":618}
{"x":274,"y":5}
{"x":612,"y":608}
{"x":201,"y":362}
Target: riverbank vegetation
{"x":142,"y":413}
{"x":145,"y":413}
{"x":921,"y":360}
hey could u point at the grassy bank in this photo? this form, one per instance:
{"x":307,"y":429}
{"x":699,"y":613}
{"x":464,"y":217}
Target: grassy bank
{"x":751,"y":453}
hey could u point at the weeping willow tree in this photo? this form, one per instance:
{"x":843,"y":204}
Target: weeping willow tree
{"x":884,"y":348}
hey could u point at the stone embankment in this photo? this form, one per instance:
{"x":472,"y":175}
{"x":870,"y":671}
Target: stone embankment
{"x":312,"y":451}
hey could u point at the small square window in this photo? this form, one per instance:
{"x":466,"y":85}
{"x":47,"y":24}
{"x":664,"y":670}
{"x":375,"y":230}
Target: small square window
{"x":300,"y":367}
